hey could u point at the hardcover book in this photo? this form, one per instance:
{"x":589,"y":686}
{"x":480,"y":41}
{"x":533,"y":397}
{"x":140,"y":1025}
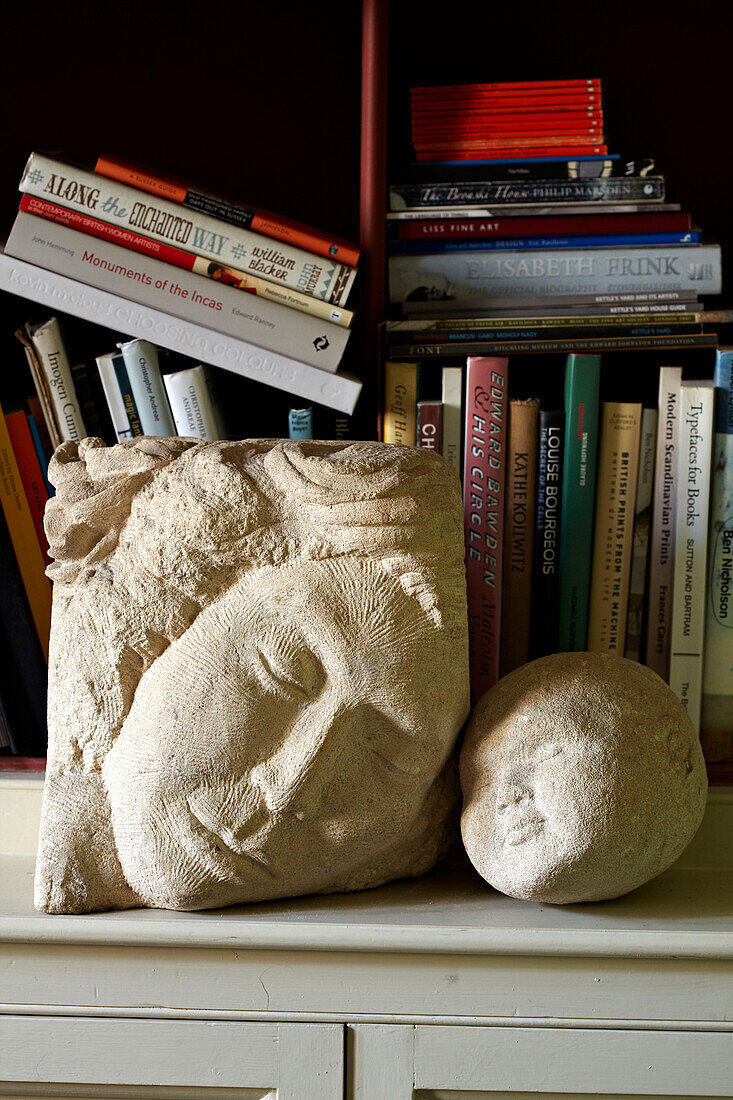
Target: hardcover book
{"x":640,"y":537}
{"x":154,"y":216}
{"x":143,"y":370}
{"x":691,"y":543}
{"x":429,"y":425}
{"x":400,"y":403}
{"x":618,"y":463}
{"x":521,"y":193}
{"x":452,"y":398}
{"x":717,"y":699}
{"x":116,"y":398}
{"x":191,"y":404}
{"x":582,"y":385}
{"x":484,"y":475}
{"x":661,"y":568}
{"x":548,"y":526}
{"x":54,"y":362}
{"x":519,"y":520}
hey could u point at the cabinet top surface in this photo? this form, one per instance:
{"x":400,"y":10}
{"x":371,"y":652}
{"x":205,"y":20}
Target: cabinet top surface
{"x":686,"y":912}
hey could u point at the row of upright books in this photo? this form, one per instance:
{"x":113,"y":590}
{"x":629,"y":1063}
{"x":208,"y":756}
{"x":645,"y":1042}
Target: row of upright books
{"x":515,"y":237}
{"x":590,"y":524}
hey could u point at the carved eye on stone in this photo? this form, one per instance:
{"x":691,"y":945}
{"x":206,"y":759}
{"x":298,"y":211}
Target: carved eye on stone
{"x":290,"y":670}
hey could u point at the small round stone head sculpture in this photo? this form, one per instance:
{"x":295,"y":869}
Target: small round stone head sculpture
{"x":582,"y":779}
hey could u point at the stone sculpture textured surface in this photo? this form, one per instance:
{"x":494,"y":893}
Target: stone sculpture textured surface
{"x":258,"y":674}
{"x":582,"y":779}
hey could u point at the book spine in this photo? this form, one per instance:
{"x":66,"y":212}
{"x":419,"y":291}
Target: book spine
{"x":190,"y":403}
{"x":540,"y":168}
{"x":618,"y":462}
{"x":163,"y":220}
{"x":331,"y":425}
{"x":47,"y":424}
{"x":24,"y":539}
{"x":691,"y":537}
{"x":640,"y":537}
{"x":445,"y":308}
{"x":187,"y":261}
{"x":300,"y":423}
{"x":551,"y":329}
{"x":582,"y":385}
{"x":484,"y":477}
{"x":575,"y":147}
{"x":46,"y":339}
{"x":534,"y":210}
{"x":507,"y":244}
{"x":478,"y":279}
{"x":519,"y":515}
{"x":113,"y":397}
{"x":128,"y":398}
{"x":400,"y":403}
{"x":471,"y":228}
{"x":248,"y":217}
{"x":148,"y":282}
{"x":619,"y":189}
{"x":497,"y":327}
{"x":31,"y":476}
{"x":337,"y":391}
{"x":717,"y":699}
{"x":452,"y":398}
{"x":547,"y":528}
{"x":661,"y":567}
{"x":40,"y":453}
{"x":429,"y":425}
{"x":141,"y":363}
{"x":456,"y":348}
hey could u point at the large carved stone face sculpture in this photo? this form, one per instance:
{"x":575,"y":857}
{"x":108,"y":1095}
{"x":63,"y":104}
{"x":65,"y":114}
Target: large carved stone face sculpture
{"x":259,"y":671}
{"x":582,"y":778}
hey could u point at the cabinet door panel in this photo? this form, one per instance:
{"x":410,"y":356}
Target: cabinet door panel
{"x":504,"y":1063}
{"x":183,"y":1059}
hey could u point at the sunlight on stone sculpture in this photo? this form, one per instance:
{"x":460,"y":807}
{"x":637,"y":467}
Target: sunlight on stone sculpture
{"x":259,"y":671}
{"x":582,"y":778}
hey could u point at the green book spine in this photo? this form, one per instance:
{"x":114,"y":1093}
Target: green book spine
{"x":582,"y":383}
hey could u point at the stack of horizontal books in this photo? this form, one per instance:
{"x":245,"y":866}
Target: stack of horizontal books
{"x":144,"y":255}
{"x":595,"y":485}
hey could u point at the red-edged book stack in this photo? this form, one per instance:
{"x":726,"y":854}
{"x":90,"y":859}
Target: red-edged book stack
{"x":500,"y":121}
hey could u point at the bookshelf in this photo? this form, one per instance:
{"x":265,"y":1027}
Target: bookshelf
{"x":313,"y":88}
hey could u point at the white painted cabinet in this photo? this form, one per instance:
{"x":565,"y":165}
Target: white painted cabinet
{"x":512,"y":1063}
{"x":170,"y":1058}
{"x":432,"y":989}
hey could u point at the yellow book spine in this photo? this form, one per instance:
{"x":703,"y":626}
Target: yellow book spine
{"x":400,"y":403}
{"x":23,"y":537}
{"x":618,"y":468}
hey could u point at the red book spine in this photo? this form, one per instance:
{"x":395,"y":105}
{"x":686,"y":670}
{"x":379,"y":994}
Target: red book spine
{"x":75,"y":219}
{"x":30,"y":474}
{"x":510,"y":152}
{"x":504,"y":87}
{"x":484,"y":475}
{"x":523,"y":141}
{"x":429,"y":425}
{"x":569,"y":225}
{"x":549,"y":122}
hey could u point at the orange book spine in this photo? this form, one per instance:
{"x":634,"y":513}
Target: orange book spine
{"x":24,"y":538}
{"x":30,"y":474}
{"x":248,"y":217}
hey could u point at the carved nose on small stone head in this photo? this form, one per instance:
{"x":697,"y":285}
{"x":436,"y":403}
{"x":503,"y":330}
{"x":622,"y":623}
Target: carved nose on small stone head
{"x":513,"y":794}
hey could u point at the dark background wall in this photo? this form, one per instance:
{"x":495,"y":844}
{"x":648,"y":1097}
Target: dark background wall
{"x":261,"y":99}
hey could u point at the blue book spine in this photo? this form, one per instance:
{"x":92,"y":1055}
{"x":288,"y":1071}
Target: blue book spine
{"x":123,"y":381}
{"x":42,"y":460}
{"x":300,"y":423}
{"x":495,"y":244}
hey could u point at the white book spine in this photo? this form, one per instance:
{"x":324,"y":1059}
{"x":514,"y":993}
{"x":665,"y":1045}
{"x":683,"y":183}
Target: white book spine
{"x":640,"y":542}
{"x":452,"y":415}
{"x":146,"y":382}
{"x":27,"y":280}
{"x":156,"y":217}
{"x":717,"y":702}
{"x":661,"y":569}
{"x":191,"y":404}
{"x":479,"y":278}
{"x":55,"y":363}
{"x":691,"y":540}
{"x":115,"y":403}
{"x":181,"y":293}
